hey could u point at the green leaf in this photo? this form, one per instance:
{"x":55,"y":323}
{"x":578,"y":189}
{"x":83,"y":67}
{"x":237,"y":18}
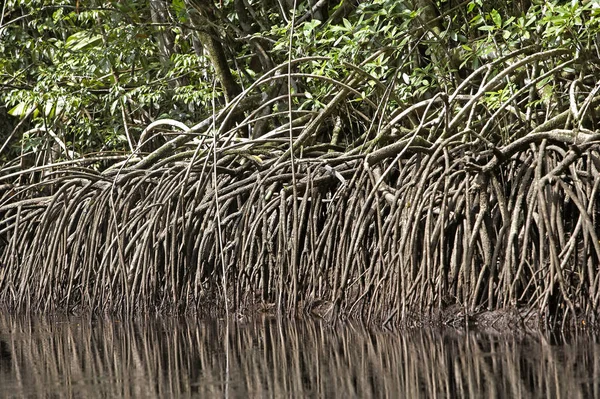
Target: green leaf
{"x":347,"y":24}
{"x":49,"y":109}
{"x":114,"y":106}
{"x":311,"y":25}
{"x":82,"y":41}
{"x":19,"y":110}
{"x":405,"y":78}
{"x":496,"y":18}
{"x":509,"y":21}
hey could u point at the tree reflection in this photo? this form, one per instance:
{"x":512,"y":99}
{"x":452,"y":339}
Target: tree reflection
{"x":157,"y":358}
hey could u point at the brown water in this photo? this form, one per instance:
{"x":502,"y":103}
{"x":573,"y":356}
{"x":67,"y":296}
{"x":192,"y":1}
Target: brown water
{"x":172,"y":358}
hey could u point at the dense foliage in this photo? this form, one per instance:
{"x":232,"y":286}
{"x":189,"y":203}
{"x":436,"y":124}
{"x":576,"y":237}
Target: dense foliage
{"x":89,"y":76}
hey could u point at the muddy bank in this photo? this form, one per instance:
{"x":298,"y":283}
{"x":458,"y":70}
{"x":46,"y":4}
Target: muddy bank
{"x":507,"y":321}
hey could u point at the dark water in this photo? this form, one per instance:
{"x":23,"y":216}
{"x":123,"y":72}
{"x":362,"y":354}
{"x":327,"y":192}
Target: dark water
{"x":172,"y":358}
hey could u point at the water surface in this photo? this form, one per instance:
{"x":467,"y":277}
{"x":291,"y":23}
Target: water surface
{"x":172,"y":358}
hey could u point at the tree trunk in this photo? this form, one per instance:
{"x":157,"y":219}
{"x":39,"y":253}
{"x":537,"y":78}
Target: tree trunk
{"x":203,"y":19}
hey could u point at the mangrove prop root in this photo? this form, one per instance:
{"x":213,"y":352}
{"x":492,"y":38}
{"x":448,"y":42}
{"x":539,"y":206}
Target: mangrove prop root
{"x":409,"y":219}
